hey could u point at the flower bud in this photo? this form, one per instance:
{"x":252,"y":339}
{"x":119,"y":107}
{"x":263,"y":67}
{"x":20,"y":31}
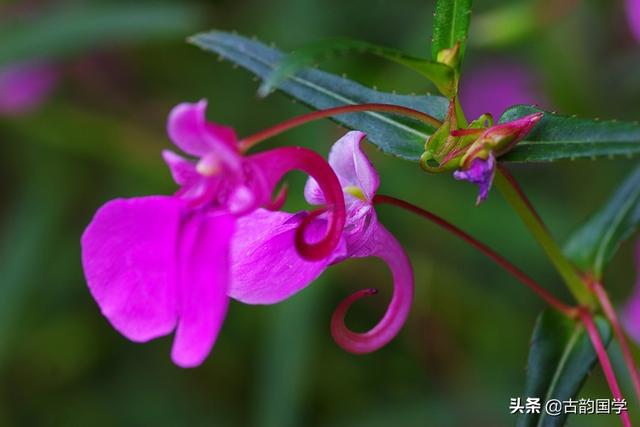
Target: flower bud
{"x":501,"y":138}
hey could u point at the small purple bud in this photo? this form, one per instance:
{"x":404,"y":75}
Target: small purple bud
{"x":480,"y":172}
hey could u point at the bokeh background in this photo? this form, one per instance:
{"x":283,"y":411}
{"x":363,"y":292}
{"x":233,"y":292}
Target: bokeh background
{"x":98,"y":134}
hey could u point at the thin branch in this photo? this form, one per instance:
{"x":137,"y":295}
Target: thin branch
{"x":252,"y":140}
{"x":601,"y":351}
{"x":610,"y":312}
{"x":497,"y":258}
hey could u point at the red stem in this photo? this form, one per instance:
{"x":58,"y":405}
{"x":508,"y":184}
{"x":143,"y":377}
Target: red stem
{"x":252,"y":140}
{"x":502,"y":262}
{"x":610,"y":312}
{"x":601,"y":351}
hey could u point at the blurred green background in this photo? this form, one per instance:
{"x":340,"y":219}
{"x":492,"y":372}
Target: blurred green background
{"x":461,"y":355}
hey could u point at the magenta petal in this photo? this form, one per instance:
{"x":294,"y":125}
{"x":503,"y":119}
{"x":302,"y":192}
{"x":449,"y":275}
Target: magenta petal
{"x":188,"y":129}
{"x":266,"y":265}
{"x":204,"y":282}
{"x":352,"y":167}
{"x":633,"y":15}
{"x":384,"y":246}
{"x":129,"y":260}
{"x":183,"y":171}
{"x":24,"y":86}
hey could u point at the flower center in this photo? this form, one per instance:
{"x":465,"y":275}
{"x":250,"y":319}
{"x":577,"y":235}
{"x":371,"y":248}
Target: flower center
{"x":209,"y":165}
{"x":355,"y":192}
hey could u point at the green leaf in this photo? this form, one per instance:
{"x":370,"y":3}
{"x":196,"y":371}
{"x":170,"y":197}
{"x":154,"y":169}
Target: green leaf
{"x":560,"y":359}
{"x":440,"y":74}
{"x":396,"y":135}
{"x":559,"y":137}
{"x":450,"y":26}
{"x":595,"y":243}
{"x":60,"y":31}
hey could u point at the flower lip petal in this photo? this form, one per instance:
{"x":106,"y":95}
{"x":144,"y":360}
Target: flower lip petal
{"x":128,"y":258}
{"x":266,"y":265}
{"x":204,"y":276}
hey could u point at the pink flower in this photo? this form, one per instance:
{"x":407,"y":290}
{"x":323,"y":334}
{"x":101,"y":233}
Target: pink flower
{"x":633,"y":14}
{"x":267,"y":268}
{"x":631,"y":312}
{"x":162,"y":263}
{"x":24,"y":86}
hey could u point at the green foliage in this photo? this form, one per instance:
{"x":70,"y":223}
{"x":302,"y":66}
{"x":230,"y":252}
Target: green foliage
{"x":440,"y":74}
{"x":63,"y":31}
{"x":450,"y":26}
{"x":400,"y":136}
{"x":555,"y":138}
{"x":506,"y":25}
{"x":560,"y":360}
{"x":593,"y":245}
{"x":559,"y":137}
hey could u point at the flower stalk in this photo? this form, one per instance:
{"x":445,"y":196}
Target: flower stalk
{"x":497,"y":258}
{"x":610,"y":313}
{"x":603,"y":357}
{"x":510,"y":190}
{"x":250,"y":141}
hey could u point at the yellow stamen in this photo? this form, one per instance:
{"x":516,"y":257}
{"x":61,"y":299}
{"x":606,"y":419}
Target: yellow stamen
{"x":355,"y":192}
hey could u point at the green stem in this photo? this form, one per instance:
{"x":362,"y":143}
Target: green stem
{"x":460,"y":117}
{"x":518,"y":201}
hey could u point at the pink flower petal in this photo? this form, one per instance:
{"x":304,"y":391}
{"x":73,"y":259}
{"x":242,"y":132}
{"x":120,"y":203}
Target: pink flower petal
{"x":352,"y":167}
{"x":129,"y":260}
{"x":183,"y":171}
{"x":384,"y":246}
{"x":266,"y":266}
{"x":26,"y":85}
{"x":189,"y":130}
{"x":150,"y":269}
{"x":204,"y":281}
